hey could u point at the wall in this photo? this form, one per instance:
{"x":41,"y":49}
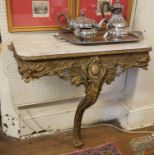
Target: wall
{"x":44,"y":103}
{"x":139,"y":90}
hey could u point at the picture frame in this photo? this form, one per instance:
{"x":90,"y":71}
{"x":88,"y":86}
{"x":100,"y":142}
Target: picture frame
{"x":36,"y":15}
{"x":91,"y":9}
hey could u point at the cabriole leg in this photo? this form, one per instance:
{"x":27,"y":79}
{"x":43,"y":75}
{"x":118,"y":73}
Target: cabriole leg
{"x":92,"y":93}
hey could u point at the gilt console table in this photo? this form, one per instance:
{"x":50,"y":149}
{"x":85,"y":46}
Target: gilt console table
{"x":91,"y":66}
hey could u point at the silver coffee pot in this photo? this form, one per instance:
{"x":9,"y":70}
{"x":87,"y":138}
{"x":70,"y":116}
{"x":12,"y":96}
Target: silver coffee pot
{"x":117,"y":26}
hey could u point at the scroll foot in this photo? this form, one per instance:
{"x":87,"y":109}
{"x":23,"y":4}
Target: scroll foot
{"x":77,"y":143}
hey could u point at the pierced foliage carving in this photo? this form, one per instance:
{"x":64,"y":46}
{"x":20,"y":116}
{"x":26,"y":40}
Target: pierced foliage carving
{"x":78,"y":67}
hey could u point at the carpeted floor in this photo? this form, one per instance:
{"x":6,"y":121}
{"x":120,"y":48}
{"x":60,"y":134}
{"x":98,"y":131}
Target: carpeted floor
{"x":61,"y":143}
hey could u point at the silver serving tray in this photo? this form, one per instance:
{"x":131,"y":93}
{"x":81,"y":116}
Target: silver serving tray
{"x":134,"y":36}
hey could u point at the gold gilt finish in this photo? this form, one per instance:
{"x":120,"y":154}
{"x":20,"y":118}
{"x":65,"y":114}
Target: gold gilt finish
{"x":90,"y":71}
{"x":13,"y":28}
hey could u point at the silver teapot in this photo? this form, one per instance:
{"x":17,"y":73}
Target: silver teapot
{"x":82,"y":27}
{"x":117,"y":26}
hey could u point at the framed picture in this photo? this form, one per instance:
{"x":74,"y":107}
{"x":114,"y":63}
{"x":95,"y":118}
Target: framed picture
{"x":92,"y":8}
{"x":36,"y":15}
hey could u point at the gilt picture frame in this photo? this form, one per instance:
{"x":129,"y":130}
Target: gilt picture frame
{"x":36,"y":15}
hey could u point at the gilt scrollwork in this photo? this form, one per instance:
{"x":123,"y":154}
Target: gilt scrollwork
{"x":92,"y":72}
{"x":31,"y":70}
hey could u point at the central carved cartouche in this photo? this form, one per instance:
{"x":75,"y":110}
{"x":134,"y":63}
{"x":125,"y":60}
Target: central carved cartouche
{"x":95,"y":69}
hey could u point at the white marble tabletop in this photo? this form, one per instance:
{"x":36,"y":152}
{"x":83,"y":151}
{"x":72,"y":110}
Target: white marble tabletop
{"x":37,"y":47}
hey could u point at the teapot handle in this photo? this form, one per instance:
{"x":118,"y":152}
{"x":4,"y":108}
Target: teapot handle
{"x":102,"y":6}
{"x":60,"y":23}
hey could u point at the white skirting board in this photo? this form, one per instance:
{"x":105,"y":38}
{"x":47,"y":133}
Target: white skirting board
{"x":51,"y":123}
{"x":48,"y":119}
{"x":138,"y":118}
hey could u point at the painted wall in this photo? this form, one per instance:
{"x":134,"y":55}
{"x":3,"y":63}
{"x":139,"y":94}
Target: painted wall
{"x":143,"y":21}
{"x":49,"y":104}
{"x":139,"y":91}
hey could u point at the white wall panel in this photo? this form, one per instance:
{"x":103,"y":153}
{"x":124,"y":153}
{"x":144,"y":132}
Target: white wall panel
{"x":139,"y":88}
{"x":139,"y":91}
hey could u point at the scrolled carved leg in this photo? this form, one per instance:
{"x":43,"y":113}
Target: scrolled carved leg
{"x":92,"y":93}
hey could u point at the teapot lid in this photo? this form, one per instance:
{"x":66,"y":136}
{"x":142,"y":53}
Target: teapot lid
{"x":82,"y":21}
{"x":117,"y":4}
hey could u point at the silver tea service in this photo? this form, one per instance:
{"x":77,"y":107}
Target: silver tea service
{"x":86,"y":31}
